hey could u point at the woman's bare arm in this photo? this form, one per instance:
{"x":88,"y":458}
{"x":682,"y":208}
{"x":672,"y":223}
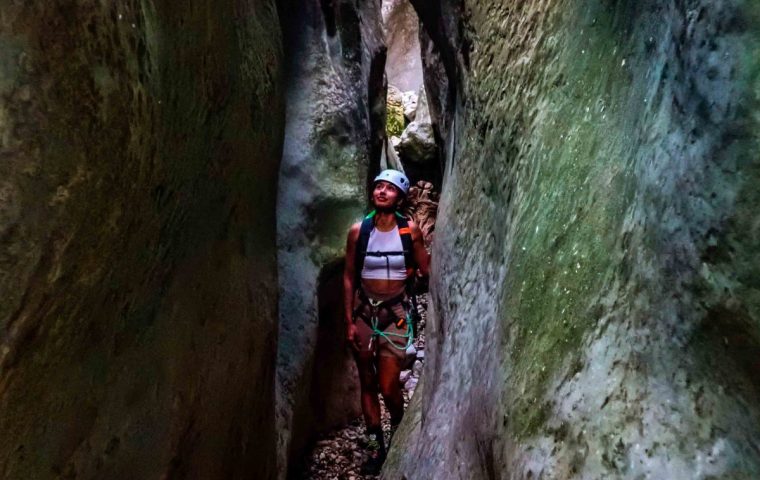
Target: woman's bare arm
{"x":421,"y":256}
{"x":348,"y":272}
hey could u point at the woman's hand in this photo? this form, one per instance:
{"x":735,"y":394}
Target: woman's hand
{"x":352,"y":337}
{"x":421,"y":283}
{"x":421,"y":255}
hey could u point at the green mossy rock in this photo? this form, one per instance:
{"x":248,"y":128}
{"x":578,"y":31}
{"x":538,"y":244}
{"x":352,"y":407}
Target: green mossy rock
{"x":597,"y":313}
{"x":394,"y":122}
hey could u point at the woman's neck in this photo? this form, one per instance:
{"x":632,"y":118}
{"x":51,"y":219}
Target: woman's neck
{"x":385,"y":221}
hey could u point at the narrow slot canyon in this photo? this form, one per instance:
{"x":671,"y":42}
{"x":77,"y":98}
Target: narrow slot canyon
{"x":177,"y":186}
{"x":355,"y":106}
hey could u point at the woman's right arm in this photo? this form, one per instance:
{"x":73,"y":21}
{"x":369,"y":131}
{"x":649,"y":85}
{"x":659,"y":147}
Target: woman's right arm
{"x":348,"y":281}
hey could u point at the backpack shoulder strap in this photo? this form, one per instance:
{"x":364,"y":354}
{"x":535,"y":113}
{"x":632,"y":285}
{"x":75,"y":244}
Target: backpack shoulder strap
{"x":361,"y":246}
{"x":406,"y":240}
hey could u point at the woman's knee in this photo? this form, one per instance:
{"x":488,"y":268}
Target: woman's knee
{"x":390,"y":389}
{"x":389,"y":385}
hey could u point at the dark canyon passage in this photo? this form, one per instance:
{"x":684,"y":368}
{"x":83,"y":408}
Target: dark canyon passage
{"x":177,"y":181}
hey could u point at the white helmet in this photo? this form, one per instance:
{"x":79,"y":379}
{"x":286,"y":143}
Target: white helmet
{"x":394,"y":177}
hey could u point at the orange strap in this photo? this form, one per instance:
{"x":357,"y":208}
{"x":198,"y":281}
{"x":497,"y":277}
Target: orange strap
{"x":405,"y":231}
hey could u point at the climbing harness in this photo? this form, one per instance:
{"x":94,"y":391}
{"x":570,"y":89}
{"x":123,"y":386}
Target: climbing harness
{"x":374,"y":321}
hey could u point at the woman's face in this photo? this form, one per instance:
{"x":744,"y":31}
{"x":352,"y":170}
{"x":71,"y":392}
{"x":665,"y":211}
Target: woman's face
{"x":385,"y":195}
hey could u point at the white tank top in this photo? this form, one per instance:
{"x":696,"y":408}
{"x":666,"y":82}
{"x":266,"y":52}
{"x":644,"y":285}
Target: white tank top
{"x":385,"y":256}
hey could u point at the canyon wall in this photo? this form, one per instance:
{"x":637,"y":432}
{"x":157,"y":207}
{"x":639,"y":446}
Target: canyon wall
{"x":333,"y":139}
{"x":596,"y":305}
{"x":403,"y":66}
{"x":140,"y":144}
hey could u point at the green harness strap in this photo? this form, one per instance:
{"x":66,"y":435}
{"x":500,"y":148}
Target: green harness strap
{"x":376,"y":332}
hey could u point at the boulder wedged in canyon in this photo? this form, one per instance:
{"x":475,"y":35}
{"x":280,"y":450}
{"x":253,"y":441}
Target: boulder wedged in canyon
{"x":417,"y":146}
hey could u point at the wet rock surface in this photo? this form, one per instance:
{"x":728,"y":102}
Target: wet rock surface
{"x":592,"y":308}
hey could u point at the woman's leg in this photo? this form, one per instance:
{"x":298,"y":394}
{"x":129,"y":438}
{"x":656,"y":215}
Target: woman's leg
{"x":389,"y":369}
{"x":365,"y":363}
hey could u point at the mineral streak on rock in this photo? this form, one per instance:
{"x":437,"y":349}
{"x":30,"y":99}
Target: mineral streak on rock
{"x":140,"y":145}
{"x":595,"y":308}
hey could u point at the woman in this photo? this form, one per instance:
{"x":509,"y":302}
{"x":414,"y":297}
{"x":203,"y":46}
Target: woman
{"x":383,"y":254}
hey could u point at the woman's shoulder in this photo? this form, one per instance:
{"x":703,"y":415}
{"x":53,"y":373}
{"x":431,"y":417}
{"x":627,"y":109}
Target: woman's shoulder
{"x":353,"y":232}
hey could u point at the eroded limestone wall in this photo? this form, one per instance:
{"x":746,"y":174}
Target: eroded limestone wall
{"x":597,"y":313}
{"x":333,"y":138}
{"x":140,"y":145}
{"x":404,"y":60}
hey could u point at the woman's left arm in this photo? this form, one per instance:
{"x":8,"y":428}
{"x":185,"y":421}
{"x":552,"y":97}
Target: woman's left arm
{"x":421,"y":256}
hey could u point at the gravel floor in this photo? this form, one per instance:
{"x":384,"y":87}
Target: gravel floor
{"x":338,"y":455}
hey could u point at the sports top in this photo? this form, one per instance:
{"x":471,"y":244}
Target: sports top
{"x":385,"y":256}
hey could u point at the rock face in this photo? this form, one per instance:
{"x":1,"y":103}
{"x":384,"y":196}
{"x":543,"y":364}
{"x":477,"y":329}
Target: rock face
{"x":409,"y":99}
{"x":401,"y":28}
{"x":390,"y":157}
{"x":422,"y":206}
{"x":137,"y":236}
{"x":418,"y":139}
{"x":335,"y":110}
{"x":596,"y":311}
